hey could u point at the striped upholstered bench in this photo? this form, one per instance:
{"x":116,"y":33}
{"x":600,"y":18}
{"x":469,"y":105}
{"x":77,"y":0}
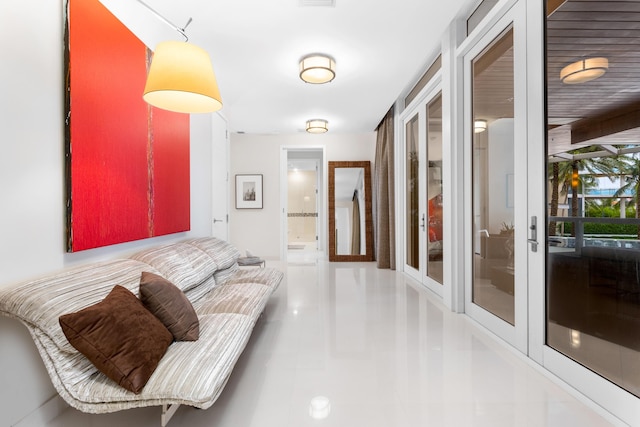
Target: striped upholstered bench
{"x":227,"y":301}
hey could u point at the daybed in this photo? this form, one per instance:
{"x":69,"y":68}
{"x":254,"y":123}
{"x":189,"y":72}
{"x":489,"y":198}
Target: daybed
{"x":228,"y":301}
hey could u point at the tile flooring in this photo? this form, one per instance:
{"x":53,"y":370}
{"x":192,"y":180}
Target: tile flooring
{"x":357,"y":346}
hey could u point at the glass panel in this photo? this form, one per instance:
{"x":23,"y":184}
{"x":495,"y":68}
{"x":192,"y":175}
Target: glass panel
{"x":413,"y":194}
{"x":434,"y":189}
{"x":478,"y":15}
{"x":303,"y":214}
{"x":593,"y":243}
{"x":493,"y":159}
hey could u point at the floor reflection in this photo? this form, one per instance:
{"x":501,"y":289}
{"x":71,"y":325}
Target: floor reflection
{"x":382,"y":350}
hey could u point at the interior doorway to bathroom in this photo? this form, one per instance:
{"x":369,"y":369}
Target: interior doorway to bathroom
{"x":303,"y":203}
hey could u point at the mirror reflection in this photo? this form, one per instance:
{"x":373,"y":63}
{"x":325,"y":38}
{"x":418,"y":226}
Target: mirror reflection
{"x":349,"y":211}
{"x":350,"y":221}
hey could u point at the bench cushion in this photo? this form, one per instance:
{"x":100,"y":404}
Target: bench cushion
{"x":182,"y":264}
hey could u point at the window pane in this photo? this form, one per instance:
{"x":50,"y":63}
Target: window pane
{"x":593,"y":243}
{"x":493,"y":159}
{"x":412,"y":194}
{"x":434,"y":189}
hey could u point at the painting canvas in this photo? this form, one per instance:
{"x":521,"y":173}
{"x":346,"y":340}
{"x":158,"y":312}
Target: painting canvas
{"x":248,"y":191}
{"x":127,"y":163}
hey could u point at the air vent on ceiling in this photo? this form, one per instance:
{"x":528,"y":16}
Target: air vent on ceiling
{"x":323,"y":3}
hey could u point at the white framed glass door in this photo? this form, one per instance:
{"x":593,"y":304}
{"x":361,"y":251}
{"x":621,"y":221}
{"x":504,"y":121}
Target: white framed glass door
{"x":496,"y":164}
{"x":423,"y":196}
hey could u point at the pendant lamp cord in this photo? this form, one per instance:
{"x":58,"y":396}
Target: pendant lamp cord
{"x":169,"y":23}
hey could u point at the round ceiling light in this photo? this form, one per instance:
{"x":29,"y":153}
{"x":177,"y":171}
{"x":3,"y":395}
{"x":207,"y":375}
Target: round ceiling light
{"x":584,"y":70}
{"x":317,"y":126}
{"x":317,"y":69}
{"x":479,"y":125}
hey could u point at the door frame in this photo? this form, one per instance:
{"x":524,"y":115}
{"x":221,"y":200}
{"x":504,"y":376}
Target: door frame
{"x":321,"y":199}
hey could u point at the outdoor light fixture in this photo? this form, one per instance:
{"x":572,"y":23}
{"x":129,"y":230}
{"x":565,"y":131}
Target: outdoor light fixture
{"x":479,"y":125}
{"x":317,"y":126}
{"x":317,"y":69}
{"x":181,"y":76}
{"x":584,"y":70}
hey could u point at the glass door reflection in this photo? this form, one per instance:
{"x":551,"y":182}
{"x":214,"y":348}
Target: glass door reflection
{"x":493,"y":174}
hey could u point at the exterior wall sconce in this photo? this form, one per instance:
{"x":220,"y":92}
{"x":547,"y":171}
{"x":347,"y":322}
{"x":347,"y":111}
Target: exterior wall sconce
{"x":317,"y":69}
{"x":317,"y":126}
{"x":479,"y":125}
{"x":584,"y":70}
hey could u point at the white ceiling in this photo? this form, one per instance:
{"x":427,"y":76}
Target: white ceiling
{"x":380,"y":47}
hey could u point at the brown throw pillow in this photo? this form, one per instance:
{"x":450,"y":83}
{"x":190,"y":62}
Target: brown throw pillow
{"x":120,"y":337}
{"x":169,"y":304}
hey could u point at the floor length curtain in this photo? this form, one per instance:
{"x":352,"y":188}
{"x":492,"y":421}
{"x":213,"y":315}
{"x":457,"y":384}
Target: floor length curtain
{"x":384,"y":195}
{"x":355,"y":226}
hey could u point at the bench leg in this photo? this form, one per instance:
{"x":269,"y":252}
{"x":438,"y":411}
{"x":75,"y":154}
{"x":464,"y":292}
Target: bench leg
{"x":167,"y":413}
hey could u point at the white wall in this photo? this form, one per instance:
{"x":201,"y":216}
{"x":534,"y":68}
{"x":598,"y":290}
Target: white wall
{"x":260,"y":230}
{"x":32,"y":197}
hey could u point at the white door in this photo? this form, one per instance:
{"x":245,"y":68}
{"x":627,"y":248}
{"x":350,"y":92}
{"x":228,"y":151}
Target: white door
{"x":496,"y":165}
{"x":220,"y":178}
{"x":423,"y":219}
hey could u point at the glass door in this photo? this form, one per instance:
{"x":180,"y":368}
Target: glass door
{"x":423,"y":220}
{"x":497,"y":283}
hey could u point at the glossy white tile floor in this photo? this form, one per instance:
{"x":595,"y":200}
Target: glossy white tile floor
{"x":384,"y":353}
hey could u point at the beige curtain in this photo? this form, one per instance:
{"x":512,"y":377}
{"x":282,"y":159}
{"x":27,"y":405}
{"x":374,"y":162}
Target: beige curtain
{"x":384,"y":195}
{"x":355,"y":225}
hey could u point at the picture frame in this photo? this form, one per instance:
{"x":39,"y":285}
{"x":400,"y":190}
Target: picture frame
{"x":248,"y":191}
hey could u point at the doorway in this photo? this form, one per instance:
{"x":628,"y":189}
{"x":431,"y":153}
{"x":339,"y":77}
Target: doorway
{"x":302,"y":199}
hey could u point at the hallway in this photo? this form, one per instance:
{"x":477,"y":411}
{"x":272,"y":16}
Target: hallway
{"x":382,"y":351}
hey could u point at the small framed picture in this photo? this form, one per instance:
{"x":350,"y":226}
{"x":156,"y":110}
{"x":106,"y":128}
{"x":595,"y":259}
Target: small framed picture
{"x":248,"y":191}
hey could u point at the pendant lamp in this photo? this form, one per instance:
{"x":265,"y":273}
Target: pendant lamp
{"x":181,"y":79}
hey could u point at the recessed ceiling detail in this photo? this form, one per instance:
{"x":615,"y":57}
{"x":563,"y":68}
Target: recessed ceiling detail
{"x":314,"y":3}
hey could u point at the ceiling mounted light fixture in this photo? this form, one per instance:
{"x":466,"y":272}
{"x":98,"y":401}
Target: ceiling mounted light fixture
{"x":181,"y":77}
{"x":584,"y":70}
{"x":317,"y":68}
{"x":317,"y":126}
{"x":479,"y":125}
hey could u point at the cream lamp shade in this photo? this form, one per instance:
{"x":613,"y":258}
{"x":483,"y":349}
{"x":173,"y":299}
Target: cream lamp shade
{"x":181,"y":79}
{"x":317,"y":69}
{"x":317,"y":126}
{"x":584,"y":70}
{"x":479,"y":125}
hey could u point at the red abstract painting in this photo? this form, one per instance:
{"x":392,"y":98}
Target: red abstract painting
{"x":127,"y":162}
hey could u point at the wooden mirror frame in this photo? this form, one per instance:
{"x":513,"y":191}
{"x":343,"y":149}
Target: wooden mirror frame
{"x":366,"y":165}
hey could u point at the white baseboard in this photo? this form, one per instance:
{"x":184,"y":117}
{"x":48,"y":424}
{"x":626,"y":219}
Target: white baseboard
{"x":45,"y":413}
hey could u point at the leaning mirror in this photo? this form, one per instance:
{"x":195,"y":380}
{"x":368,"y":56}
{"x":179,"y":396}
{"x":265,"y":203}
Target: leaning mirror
{"x":350,"y":219}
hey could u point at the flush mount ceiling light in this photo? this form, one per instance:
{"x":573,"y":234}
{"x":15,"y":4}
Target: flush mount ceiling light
{"x":584,"y":70}
{"x":479,"y":125}
{"x":317,"y":69}
{"x":181,"y":76}
{"x":317,"y":126}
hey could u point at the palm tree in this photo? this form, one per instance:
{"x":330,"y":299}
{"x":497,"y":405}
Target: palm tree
{"x":631,"y":176}
{"x":553,"y":208}
{"x":570,"y":178}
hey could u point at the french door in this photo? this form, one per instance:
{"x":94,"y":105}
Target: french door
{"x":423,"y":195}
{"x":498,"y":221}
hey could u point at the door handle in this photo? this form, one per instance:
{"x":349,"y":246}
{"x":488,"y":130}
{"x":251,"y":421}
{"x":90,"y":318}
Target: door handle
{"x":217,"y":220}
{"x":533,"y":234}
{"x":422,"y":224}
